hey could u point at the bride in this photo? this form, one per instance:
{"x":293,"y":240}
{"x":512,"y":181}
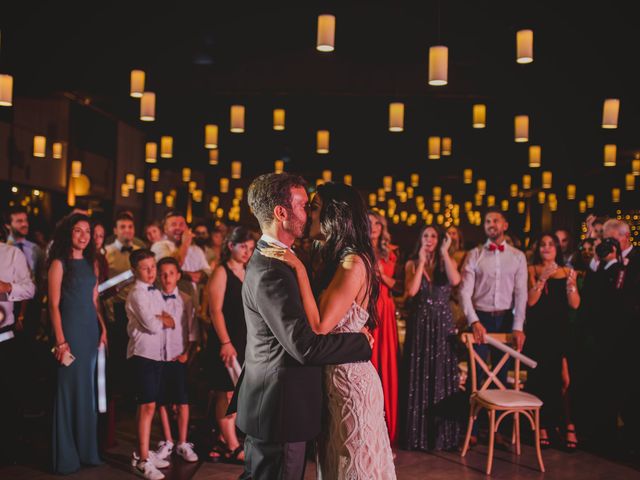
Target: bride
{"x":354,"y":443}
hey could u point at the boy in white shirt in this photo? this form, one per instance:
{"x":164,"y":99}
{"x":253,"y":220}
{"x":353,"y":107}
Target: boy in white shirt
{"x":147,"y":327}
{"x":179,"y":346}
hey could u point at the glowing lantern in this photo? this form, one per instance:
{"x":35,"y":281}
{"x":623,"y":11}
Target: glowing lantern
{"x":137,"y":83}
{"x":396,"y":117}
{"x":236,"y":170}
{"x":610,"y":112}
{"x":479,"y":115}
{"x":214,"y":156}
{"x":166,"y":147}
{"x":278,"y":119}
{"x":211,"y":136}
{"x":325,"y":40}
{"x":521,"y":123}
{"x":524,"y":46}
{"x":39,"y":146}
{"x":148,"y":107}
{"x":237,"y":118}
{"x":322,"y":141}
{"x":438,"y":65}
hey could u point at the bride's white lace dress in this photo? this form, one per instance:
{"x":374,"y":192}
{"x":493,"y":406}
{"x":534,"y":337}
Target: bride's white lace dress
{"x":354,"y":444}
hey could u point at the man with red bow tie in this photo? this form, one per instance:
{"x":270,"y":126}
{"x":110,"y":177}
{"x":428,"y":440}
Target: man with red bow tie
{"x":494,"y":288}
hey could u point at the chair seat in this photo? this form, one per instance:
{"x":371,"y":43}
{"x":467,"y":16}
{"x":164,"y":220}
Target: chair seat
{"x":508,"y":398}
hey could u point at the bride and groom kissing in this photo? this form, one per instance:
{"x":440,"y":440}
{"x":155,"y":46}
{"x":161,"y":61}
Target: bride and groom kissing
{"x":307,"y":373}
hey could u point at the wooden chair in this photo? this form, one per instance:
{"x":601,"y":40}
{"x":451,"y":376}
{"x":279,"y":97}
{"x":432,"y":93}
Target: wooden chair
{"x":500,"y":400}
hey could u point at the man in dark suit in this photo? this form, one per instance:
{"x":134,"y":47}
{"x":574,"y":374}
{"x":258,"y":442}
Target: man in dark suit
{"x":279,"y":396}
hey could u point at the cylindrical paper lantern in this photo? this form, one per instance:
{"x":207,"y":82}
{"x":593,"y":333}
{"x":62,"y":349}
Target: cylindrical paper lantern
{"x":157,"y":196}
{"x":415,"y":180}
{"x":481,"y":186}
{"x":166,"y":146}
{"x":438,"y":65}
{"x":524,"y":46}
{"x":546,"y":180}
{"x":57,"y":150}
{"x":630,"y":181}
{"x":237,"y":118}
{"x":396,"y":117}
{"x":39,"y":146}
{"x":491,"y":200}
{"x":224,"y":185}
{"x":400,"y":185}
{"x":467,"y":175}
{"x":434,"y":148}
{"x":148,"y":107}
{"x":526,"y":181}
{"x":521,"y":123}
{"x":582,"y":206}
{"x":214,"y":156}
{"x":535,"y":156}
{"x":409,"y":191}
{"x":387,"y":183}
{"x":521,"y":206}
{"x":169,"y":201}
{"x":610,"y":155}
{"x":137,"y":83}
{"x":278,"y":166}
{"x":437,"y":193}
{"x":591,"y":200}
{"x":124,"y":190}
{"x":513,"y":189}
{"x":610,"y":112}
{"x":436,"y":207}
{"x":76,"y":168}
{"x":278,"y":118}
{"x":325,"y":40}
{"x":615,"y":195}
{"x":151,"y":152}
{"x":139,"y":185}
{"x":541,"y":197}
{"x":348,"y":179}
{"x":635,"y":166}
{"x":327,"y":176}
{"x":322,"y":141}
{"x":6,"y":90}
{"x":237,"y":193}
{"x":571,"y":192}
{"x":446,"y":146}
{"x":236,"y":170}
{"x":130,"y":180}
{"x":504,"y":205}
{"x":478,"y":199}
{"x":479,"y":115}
{"x":381,"y":194}
{"x":155,"y":174}
{"x":186,"y":174}
{"x":211,"y":136}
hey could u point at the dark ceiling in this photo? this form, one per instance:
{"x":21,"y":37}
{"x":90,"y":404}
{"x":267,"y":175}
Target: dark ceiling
{"x":202,"y":57}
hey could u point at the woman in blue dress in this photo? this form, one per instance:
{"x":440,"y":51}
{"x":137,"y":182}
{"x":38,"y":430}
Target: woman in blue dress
{"x":79,"y":330}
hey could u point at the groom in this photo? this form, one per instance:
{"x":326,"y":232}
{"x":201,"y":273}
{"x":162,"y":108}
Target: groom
{"x":280,"y":392}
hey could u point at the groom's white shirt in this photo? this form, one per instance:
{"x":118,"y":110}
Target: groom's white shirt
{"x":270,"y":239}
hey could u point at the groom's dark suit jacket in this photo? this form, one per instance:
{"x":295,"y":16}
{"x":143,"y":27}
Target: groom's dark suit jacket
{"x":279,"y":396}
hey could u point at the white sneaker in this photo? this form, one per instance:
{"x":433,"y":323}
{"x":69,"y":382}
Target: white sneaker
{"x":153,"y":458}
{"x":147,"y":470}
{"x":164,"y":451}
{"x":185,"y":450}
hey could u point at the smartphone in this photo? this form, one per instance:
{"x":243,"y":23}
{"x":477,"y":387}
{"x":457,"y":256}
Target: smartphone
{"x":67,"y":357}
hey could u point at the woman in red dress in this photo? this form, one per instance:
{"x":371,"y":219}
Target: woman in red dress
{"x":385,"y":348}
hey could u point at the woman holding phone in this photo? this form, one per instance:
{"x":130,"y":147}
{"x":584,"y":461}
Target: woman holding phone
{"x":79,"y":330}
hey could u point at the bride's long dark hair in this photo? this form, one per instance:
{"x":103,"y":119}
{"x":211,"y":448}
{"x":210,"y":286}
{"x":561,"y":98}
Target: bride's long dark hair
{"x":344,"y":223}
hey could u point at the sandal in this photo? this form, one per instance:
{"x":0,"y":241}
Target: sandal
{"x":570,"y":445}
{"x":232,"y":457}
{"x":218,"y":452}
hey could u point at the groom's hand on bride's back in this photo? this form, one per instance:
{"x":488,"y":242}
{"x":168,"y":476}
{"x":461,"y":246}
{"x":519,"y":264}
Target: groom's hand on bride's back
{"x":367,"y":333}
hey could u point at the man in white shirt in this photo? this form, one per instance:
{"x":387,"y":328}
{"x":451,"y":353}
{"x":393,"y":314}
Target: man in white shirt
{"x":16,"y":285}
{"x":494,"y":284}
{"x":494,"y":289}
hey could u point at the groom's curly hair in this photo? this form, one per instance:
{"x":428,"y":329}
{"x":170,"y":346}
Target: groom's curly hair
{"x":268,"y":191}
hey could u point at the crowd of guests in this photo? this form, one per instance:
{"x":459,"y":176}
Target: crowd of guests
{"x":171,"y":304}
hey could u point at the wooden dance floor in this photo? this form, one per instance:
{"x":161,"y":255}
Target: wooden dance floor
{"x":410,"y":465}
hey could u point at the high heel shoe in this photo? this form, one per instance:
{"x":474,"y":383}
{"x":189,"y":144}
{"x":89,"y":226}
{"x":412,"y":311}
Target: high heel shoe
{"x":570,"y":445}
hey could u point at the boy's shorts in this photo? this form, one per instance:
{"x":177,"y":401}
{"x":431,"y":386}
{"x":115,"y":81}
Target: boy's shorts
{"x":174,"y":384}
{"x":147,"y":375}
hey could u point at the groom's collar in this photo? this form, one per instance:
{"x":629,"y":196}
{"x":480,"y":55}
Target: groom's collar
{"x":269,"y":239}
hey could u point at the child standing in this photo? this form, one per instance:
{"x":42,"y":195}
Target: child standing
{"x":179,"y":346}
{"x":147,"y":327}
